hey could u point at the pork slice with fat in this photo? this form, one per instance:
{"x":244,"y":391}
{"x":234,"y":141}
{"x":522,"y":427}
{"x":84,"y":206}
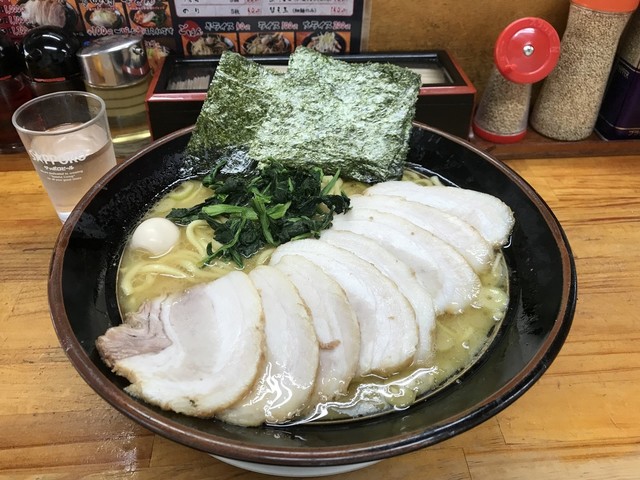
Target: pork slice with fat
{"x":196,"y":352}
{"x":287,"y":380}
{"x":335,"y":323}
{"x":444,"y":273}
{"x":402,"y":275}
{"x":388,"y":328}
{"x":488,"y":214}
{"x":458,"y":233}
{"x":142,"y":332}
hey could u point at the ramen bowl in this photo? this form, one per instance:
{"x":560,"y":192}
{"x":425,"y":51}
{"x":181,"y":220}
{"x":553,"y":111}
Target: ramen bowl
{"x":82,"y":297}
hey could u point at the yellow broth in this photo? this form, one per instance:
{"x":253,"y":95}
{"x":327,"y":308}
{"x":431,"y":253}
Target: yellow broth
{"x":459,"y":338}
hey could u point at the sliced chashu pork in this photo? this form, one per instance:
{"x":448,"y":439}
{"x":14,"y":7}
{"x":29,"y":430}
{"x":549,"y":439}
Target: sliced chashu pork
{"x":288,"y":378}
{"x":195,"y":352}
{"x":458,"y":233}
{"x":142,"y":332}
{"x":488,"y":214}
{"x":388,"y":328}
{"x":335,"y":323}
{"x":402,"y":275}
{"x":444,"y":273}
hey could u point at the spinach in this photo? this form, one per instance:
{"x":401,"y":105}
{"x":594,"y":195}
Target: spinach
{"x":265,"y":207}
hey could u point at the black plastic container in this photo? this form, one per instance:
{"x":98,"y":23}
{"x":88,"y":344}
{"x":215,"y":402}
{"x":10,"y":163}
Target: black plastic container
{"x":50,"y":57}
{"x":619,"y":116}
{"x":14,"y":91}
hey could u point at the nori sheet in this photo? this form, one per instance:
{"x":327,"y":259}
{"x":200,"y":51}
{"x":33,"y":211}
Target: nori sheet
{"x":235,"y":107}
{"x":322,"y":112}
{"x":334,"y":114}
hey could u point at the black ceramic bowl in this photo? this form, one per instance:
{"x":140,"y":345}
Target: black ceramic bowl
{"x":543,"y":295}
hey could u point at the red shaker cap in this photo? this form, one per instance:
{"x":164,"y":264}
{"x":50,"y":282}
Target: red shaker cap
{"x":498,"y":137}
{"x":527,"y":50}
{"x":620,"y":6}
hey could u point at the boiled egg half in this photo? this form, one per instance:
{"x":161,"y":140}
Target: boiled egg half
{"x":155,"y":235}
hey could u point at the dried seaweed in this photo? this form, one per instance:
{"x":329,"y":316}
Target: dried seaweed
{"x":333,"y":114}
{"x":237,"y":102}
{"x":323,"y":112}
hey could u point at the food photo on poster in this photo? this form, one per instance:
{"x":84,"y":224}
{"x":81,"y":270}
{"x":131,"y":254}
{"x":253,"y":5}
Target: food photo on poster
{"x":189,"y":28}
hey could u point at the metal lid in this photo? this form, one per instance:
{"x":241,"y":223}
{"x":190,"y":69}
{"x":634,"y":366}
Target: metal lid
{"x":114,"y":61}
{"x":527,"y":50}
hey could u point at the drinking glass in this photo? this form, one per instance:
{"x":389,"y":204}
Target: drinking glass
{"x":67,"y":137}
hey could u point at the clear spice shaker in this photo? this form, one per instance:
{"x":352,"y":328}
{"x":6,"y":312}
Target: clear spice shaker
{"x":117,"y":70}
{"x":570,"y":98}
{"x":525,"y":52}
{"x":14,"y":91}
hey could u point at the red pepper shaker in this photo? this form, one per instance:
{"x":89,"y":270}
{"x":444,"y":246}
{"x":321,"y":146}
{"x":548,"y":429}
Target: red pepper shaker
{"x":526,"y":51}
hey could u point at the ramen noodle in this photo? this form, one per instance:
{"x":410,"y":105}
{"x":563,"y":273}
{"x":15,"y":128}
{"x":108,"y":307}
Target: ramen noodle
{"x":459,"y":338}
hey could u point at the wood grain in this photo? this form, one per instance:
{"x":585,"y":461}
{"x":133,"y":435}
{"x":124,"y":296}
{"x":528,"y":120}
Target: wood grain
{"x":581,"y":420}
{"x":534,"y":145}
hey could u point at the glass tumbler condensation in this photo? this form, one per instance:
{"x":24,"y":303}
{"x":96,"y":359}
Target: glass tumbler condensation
{"x":67,"y":137}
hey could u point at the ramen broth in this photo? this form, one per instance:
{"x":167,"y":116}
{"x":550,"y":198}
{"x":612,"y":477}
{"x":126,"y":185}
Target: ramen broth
{"x":459,"y":338}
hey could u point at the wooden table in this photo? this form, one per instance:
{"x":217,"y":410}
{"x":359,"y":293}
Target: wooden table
{"x":580,"y":421}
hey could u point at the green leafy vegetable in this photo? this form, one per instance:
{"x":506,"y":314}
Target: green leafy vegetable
{"x":266,"y":207}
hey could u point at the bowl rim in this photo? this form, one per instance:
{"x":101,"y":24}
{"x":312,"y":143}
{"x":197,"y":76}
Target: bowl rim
{"x":307,"y":456}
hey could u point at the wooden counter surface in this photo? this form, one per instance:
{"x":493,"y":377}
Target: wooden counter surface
{"x":581,"y":420}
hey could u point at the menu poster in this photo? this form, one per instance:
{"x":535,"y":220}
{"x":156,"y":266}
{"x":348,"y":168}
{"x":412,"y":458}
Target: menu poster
{"x":201,"y":27}
{"x":268,"y":27}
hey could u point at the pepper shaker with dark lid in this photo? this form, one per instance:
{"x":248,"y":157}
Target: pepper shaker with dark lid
{"x":50,"y":57}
